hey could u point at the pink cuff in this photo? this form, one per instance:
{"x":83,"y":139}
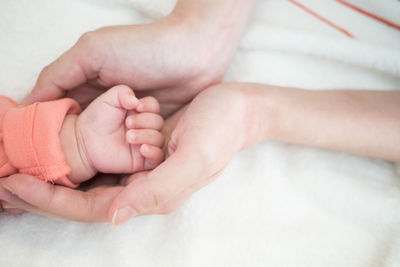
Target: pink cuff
{"x":32,"y":143}
{"x":5,"y":167}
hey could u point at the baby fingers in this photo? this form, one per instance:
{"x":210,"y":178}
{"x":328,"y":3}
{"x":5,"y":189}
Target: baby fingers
{"x":144,"y":121}
{"x":145,"y":136}
{"x":148,"y":104}
{"x":120,"y":96}
{"x":153,"y":156}
{"x":127,"y":98}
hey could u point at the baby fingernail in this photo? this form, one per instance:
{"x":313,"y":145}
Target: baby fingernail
{"x":129,"y":122}
{"x":140,"y":106}
{"x":122,"y":215}
{"x":132,"y":136}
{"x":134,"y":101}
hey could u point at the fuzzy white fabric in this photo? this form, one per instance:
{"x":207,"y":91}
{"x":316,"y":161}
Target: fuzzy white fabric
{"x":276,"y":204}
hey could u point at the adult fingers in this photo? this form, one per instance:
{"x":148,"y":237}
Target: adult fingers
{"x":79,"y":64}
{"x":172,"y":204}
{"x":147,"y":193}
{"x":7,"y":207}
{"x":16,"y":204}
{"x":14,"y":211}
{"x":59,"y":201}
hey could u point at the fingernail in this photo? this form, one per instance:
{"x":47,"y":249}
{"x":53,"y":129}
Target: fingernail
{"x":140,"y":107}
{"x":122,"y":215}
{"x":132,"y":136}
{"x":135,"y":101}
{"x":7,"y":188}
{"x":130,"y":122}
{"x":7,"y":206}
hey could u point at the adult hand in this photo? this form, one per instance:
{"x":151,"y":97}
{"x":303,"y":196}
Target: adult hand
{"x":26,"y":193}
{"x":218,"y":123}
{"x":156,"y":58}
{"x":203,"y":137}
{"x":171,"y":59}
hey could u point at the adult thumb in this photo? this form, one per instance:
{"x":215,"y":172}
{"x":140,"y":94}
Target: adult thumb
{"x":65,"y":73}
{"x":148,"y":192}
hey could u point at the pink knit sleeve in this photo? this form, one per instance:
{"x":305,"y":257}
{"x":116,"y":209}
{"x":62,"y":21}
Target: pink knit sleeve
{"x":31,"y":139}
{"x":5,"y":167}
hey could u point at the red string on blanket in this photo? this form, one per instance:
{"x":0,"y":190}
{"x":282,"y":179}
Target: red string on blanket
{"x":368,"y":14}
{"x":311,"y":12}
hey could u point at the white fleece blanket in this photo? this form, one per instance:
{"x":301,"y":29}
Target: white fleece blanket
{"x":276,"y":204}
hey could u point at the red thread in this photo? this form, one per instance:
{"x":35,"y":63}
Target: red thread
{"x":368,"y":14}
{"x":322,"y":18}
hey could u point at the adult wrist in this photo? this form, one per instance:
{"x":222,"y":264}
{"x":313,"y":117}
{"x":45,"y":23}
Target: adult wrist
{"x":213,"y":28}
{"x":222,"y":13}
{"x":263,"y":113}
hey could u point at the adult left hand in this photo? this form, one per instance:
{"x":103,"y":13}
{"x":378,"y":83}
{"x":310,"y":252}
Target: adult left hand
{"x":26,"y":193}
{"x":220,"y":121}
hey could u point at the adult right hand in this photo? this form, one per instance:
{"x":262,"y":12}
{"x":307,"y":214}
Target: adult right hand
{"x":167,"y":59}
{"x":152,"y":58}
{"x":171,"y":59}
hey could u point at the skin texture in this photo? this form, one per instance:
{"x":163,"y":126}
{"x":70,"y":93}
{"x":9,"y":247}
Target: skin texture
{"x":362,"y":122}
{"x":153,"y":59}
{"x":145,"y":58}
{"x":203,"y":137}
{"x":98,"y":140}
{"x":162,"y":189}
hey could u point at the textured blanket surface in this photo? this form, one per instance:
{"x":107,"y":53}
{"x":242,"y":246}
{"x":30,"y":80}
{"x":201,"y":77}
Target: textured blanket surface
{"x":276,"y":204}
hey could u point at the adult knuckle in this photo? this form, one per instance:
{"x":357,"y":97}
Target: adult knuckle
{"x":167,"y":209}
{"x":44,"y":72}
{"x":90,"y":47}
{"x":89,"y":38}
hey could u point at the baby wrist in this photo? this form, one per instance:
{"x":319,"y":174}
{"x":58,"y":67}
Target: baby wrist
{"x":74,"y":152}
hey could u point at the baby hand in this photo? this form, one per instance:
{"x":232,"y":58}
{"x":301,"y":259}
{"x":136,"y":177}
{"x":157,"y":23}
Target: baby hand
{"x":116,"y":133}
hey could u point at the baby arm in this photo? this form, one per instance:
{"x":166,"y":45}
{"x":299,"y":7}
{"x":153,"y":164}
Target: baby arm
{"x":5,"y":167}
{"x":30,"y":139}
